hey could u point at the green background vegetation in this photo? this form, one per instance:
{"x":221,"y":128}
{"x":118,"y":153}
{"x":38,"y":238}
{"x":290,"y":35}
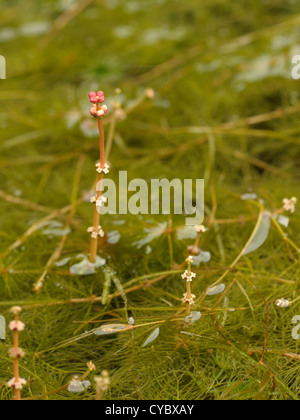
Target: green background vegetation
{"x":214,"y":65}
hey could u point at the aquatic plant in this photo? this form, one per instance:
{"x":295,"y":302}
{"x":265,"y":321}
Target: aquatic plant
{"x":98,"y":111}
{"x":16,"y":353}
{"x":188,"y":276}
{"x":226,"y":109}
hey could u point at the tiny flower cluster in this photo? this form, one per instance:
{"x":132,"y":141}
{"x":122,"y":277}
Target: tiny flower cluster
{"x":16,"y":383}
{"x":188,"y":275}
{"x":91,"y":366}
{"x":97,"y":97}
{"x":100,"y":169}
{"x":17,"y":326}
{"x":95,"y":234}
{"x":98,"y":112}
{"x":200,"y":229}
{"x":290,"y":205}
{"x":188,"y":300}
{"x":99,"y":201}
{"x":16,"y":353}
{"x":102,"y":382}
{"x":282,"y":303}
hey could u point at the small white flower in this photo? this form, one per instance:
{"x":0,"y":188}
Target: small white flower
{"x":101,"y":200}
{"x":290,"y":205}
{"x":93,"y":199}
{"x":17,"y":326}
{"x":188,"y":300}
{"x":95,"y":234}
{"x":91,"y":366}
{"x":16,"y":383}
{"x":16,"y":353}
{"x":188,"y":276}
{"x":190,"y":259}
{"x":100,"y":169}
{"x":200,"y":229}
{"x":15,"y":310}
{"x":102,"y":382}
{"x":282,"y":303}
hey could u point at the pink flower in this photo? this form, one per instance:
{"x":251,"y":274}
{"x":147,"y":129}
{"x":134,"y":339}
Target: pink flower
{"x":93,"y":110}
{"x":102,"y":111}
{"x":97,"y":97}
{"x":98,"y":113}
{"x":17,"y":326}
{"x":16,"y":383}
{"x":16,"y":353}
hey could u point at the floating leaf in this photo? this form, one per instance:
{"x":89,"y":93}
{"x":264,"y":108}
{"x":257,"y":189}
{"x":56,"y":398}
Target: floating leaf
{"x":186,"y":232}
{"x":113,"y":237}
{"x":249,"y":196}
{"x":194,"y":317}
{"x":153,"y":233}
{"x":284,"y":221}
{"x":112,"y":329}
{"x":152,"y":337}
{"x":131,"y":321}
{"x":261,"y":234}
{"x":56,"y":229}
{"x":203,"y":257}
{"x":77,"y":386}
{"x":85,"y":267}
{"x":216,"y":290}
{"x":63,"y":262}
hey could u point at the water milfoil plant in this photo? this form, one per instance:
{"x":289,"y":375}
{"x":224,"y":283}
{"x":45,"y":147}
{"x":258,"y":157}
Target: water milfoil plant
{"x":98,"y":111}
{"x":188,"y":275}
{"x":16,"y":353}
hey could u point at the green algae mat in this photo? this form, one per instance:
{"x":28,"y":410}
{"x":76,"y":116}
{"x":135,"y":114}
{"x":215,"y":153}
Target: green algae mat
{"x":193,"y":91}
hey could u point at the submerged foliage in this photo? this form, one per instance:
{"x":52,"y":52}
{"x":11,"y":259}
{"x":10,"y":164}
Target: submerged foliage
{"x":226,"y":109}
